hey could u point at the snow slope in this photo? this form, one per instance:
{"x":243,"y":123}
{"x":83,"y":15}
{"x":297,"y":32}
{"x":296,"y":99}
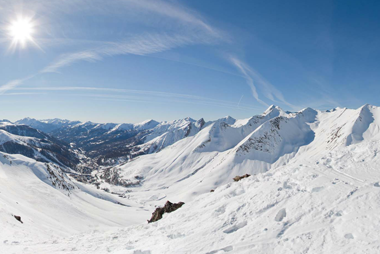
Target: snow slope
{"x":167,"y":133}
{"x":303,"y":207}
{"x":52,"y":205}
{"x":315,"y":188}
{"x":221,"y":150}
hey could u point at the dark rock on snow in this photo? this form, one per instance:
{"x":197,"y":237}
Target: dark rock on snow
{"x":18,"y":218}
{"x":238,"y":178}
{"x":168,"y":208}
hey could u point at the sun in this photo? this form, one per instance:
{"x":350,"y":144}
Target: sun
{"x":21,"y":31}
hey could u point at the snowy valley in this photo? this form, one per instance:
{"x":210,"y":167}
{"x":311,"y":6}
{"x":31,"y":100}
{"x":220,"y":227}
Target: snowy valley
{"x":90,"y":188}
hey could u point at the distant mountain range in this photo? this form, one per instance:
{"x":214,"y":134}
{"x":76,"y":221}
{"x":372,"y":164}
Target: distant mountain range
{"x":33,"y":143}
{"x":264,"y":140}
{"x":110,"y":143}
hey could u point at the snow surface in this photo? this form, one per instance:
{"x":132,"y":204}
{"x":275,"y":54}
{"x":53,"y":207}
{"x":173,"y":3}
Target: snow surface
{"x":314,"y":189}
{"x":167,"y":133}
{"x":46,"y":125}
{"x":148,"y":124}
{"x":51,"y":205}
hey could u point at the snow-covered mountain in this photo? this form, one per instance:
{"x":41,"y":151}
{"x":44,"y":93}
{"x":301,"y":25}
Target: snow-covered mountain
{"x":314,"y":188}
{"x":253,"y":145}
{"x":167,"y":133}
{"x":22,"y":139}
{"x":47,"y":125}
{"x":110,"y":143}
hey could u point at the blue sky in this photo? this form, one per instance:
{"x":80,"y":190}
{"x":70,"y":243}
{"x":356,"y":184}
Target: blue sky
{"x":129,"y":60}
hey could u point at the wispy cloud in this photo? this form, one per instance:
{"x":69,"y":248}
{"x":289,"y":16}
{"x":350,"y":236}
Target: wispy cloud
{"x":197,"y":31}
{"x":69,"y":59}
{"x":238,"y":104}
{"x":242,"y":68}
{"x":112,"y":90}
{"x":171,"y":101}
{"x":143,"y":9}
{"x":141,"y":45}
{"x":143,"y":96}
{"x":12,"y":84}
{"x":175,"y":11}
{"x":253,"y":77}
{"x":18,"y":94}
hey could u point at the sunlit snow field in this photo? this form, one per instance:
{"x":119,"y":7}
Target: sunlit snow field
{"x":314,"y":189}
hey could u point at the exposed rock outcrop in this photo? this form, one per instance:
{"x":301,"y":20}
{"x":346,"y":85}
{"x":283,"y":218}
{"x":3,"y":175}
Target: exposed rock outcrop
{"x":238,"y":178}
{"x":168,"y":208}
{"x":18,"y":218}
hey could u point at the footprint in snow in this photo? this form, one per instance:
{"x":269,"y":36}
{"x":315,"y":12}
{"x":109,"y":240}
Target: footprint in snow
{"x":349,"y":236}
{"x":235,"y":228}
{"x":225,"y":249}
{"x":142,"y":252}
{"x":280,"y":215}
{"x":286,"y":185}
{"x":220,"y":210}
{"x":317,"y":189}
{"x":176,"y":235}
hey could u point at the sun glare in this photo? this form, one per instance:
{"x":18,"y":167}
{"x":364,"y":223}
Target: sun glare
{"x":21,"y":31}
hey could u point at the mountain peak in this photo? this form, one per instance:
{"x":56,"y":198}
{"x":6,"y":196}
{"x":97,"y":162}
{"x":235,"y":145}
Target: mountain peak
{"x":147,"y":124}
{"x":272,"y":108}
{"x":189,"y":119}
{"x":227,"y":119}
{"x":368,"y":106}
{"x":27,"y":119}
